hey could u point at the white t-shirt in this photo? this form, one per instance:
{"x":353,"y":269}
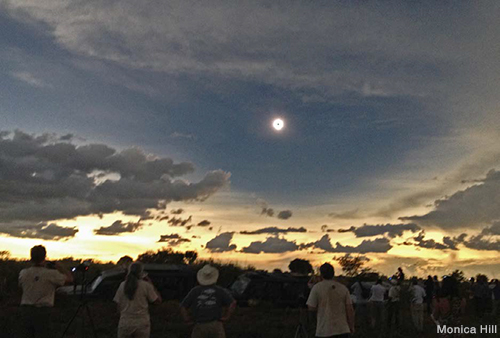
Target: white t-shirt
{"x":39,"y":285}
{"x":394,"y":293}
{"x":330,"y":299}
{"x":418,"y":294}
{"x":377,"y":293}
{"x":135,"y":310}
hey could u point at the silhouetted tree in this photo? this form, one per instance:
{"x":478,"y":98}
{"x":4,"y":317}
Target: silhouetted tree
{"x":162,"y":256}
{"x":300,"y":266}
{"x":458,"y":275}
{"x":190,"y":256}
{"x":352,"y":266}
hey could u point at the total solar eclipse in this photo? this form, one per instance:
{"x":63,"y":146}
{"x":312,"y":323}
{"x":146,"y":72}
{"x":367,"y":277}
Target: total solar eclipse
{"x":278,"y":124}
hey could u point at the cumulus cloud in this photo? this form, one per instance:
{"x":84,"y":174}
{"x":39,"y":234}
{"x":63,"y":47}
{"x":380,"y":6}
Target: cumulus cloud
{"x":118,"y":227}
{"x":285,"y":214}
{"x":475,"y":206}
{"x":44,"y":178}
{"x":173,"y":239}
{"x":273,"y":230}
{"x":204,"y":223}
{"x":377,"y":245}
{"x":221,"y":243}
{"x":392,"y":230}
{"x":42,"y":230}
{"x":271,"y":245}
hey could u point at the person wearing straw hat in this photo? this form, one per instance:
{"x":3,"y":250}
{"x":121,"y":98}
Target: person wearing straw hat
{"x":207,"y":305}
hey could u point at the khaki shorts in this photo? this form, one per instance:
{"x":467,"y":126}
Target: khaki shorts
{"x":208,"y":330}
{"x":134,"y":331}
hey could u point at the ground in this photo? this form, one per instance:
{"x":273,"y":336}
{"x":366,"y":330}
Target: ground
{"x":260,"y":321}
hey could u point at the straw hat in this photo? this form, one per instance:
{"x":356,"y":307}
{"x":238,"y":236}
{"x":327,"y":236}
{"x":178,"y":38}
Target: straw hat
{"x":207,"y":275}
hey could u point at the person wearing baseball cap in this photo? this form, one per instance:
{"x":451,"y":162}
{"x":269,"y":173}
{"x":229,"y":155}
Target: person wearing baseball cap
{"x":207,"y":305}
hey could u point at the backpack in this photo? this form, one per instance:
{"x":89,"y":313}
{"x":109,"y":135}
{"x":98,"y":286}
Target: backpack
{"x":365,"y":292}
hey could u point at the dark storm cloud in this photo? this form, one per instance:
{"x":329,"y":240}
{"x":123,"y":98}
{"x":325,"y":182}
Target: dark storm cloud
{"x":366,"y":246}
{"x":118,"y":227}
{"x":173,"y":239}
{"x":221,"y":243}
{"x":273,"y":230}
{"x":44,"y":179}
{"x":472,"y":207}
{"x":45,"y":231}
{"x":392,"y":230}
{"x":285,"y":214}
{"x":494,"y":229}
{"x":271,"y":245}
{"x":204,"y":223}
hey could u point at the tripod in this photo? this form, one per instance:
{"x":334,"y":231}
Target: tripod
{"x":82,"y":309}
{"x":302,"y":328}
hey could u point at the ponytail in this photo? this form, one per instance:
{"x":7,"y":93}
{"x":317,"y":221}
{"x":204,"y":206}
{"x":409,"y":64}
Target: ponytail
{"x":132,"y":281}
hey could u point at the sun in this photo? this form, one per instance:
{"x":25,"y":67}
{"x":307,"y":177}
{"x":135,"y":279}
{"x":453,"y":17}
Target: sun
{"x":278,"y":124}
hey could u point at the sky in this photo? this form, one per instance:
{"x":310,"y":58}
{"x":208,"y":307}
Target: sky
{"x":130,"y":126}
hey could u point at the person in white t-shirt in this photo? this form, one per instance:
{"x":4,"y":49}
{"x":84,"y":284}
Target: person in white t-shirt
{"x":417,"y":305}
{"x":332,"y":301}
{"x":133,"y":297}
{"x":376,"y":302}
{"x":39,"y":284}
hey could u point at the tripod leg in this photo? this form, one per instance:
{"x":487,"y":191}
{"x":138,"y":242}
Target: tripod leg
{"x":91,"y":321}
{"x":71,"y":321}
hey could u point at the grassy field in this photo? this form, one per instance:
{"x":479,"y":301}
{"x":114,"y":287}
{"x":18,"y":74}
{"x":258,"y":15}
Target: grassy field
{"x":261,"y":321}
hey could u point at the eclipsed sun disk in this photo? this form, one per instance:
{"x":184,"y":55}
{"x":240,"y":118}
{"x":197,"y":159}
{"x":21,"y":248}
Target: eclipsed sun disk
{"x":278,"y":124}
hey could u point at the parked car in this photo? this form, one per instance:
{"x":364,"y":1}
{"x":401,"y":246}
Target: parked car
{"x":172,"y":281}
{"x":282,"y":289}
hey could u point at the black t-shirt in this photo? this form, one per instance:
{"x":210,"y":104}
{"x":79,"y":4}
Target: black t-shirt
{"x":206,"y":302}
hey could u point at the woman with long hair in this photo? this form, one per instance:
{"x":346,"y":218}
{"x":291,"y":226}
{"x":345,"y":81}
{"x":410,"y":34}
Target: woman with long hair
{"x":448,"y":305}
{"x":133,"y":297}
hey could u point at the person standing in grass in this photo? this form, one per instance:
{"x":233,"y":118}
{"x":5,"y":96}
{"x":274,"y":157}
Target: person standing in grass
{"x":39,"y":284}
{"x":133,"y":297}
{"x":376,"y":301}
{"x":417,"y":305}
{"x":207,"y":306}
{"x":332,"y":302}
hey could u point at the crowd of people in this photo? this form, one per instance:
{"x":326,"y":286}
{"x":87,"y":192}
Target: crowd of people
{"x":378,"y":306}
{"x":375,"y":307}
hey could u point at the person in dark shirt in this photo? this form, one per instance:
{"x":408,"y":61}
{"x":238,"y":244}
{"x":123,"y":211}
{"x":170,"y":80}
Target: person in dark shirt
{"x":207,"y":306}
{"x":496,"y":298}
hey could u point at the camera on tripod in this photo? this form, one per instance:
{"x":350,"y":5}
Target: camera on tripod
{"x":82,"y":267}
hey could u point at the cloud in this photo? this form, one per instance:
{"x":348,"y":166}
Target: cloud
{"x":29,"y":78}
{"x":221,"y":243}
{"x":42,"y":230}
{"x":392,"y":230}
{"x":472,"y":207}
{"x":285,"y":214}
{"x":173,"y":239}
{"x":270,"y":212}
{"x":179,"y":222}
{"x":118,"y":227}
{"x":177,"y":211}
{"x":204,"y":223}
{"x":494,"y":229}
{"x":44,"y":178}
{"x":350,"y":214}
{"x":273,"y":230}
{"x":271,"y":245}
{"x":177,"y":135}
{"x":380,"y":245}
